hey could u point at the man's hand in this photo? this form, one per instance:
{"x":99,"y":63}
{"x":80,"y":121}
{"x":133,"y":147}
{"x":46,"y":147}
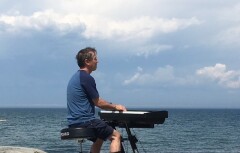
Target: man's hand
{"x":120,"y":108}
{"x":103,"y":104}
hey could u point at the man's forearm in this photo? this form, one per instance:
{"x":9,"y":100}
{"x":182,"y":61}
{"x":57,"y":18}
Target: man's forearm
{"x":103,"y":104}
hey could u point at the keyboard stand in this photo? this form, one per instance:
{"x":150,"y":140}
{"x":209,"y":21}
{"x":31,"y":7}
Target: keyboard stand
{"x":131,"y":138}
{"x":133,"y":119}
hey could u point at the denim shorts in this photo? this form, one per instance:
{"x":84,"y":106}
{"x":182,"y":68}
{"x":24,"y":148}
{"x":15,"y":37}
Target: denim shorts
{"x":102,"y":129}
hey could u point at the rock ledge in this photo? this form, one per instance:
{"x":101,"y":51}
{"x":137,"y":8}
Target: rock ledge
{"x":11,"y":149}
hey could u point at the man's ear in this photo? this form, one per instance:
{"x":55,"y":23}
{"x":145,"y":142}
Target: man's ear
{"x":86,"y":61}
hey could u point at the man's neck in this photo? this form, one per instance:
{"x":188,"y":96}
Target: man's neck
{"x":86,"y":70}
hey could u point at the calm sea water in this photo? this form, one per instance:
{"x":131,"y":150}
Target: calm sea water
{"x":186,"y":130}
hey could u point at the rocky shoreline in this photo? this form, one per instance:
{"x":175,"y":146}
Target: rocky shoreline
{"x":11,"y":149}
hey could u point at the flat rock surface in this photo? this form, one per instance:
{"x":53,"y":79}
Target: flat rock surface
{"x":10,"y":149}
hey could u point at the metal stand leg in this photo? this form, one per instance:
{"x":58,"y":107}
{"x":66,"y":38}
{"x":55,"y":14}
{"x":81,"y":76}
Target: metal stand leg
{"x":132,"y":139}
{"x":80,"y":141}
{"x":122,"y":148}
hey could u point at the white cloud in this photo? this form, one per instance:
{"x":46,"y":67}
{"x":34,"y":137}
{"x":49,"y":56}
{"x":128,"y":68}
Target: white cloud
{"x":230,"y":36}
{"x":41,"y":21}
{"x":220,"y":74}
{"x":153,"y":49}
{"x":230,"y":13}
{"x":229,"y":20}
{"x":95,"y":26}
{"x":165,"y":76}
{"x":160,"y":77}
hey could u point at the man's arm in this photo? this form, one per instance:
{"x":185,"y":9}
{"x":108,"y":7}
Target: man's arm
{"x":103,"y":104}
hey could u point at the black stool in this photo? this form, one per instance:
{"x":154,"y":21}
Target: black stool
{"x":78,"y":133}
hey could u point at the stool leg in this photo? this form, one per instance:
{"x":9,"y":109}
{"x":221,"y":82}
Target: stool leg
{"x":80,"y":148}
{"x":80,"y":141}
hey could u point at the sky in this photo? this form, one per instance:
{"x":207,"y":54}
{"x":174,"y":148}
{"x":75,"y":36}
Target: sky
{"x":152,"y":54}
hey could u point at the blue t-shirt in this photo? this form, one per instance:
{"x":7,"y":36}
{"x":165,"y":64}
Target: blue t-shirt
{"x":80,"y":92}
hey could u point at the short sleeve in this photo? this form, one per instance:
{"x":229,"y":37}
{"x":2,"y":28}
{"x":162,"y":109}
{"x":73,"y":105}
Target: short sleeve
{"x":89,"y":85}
